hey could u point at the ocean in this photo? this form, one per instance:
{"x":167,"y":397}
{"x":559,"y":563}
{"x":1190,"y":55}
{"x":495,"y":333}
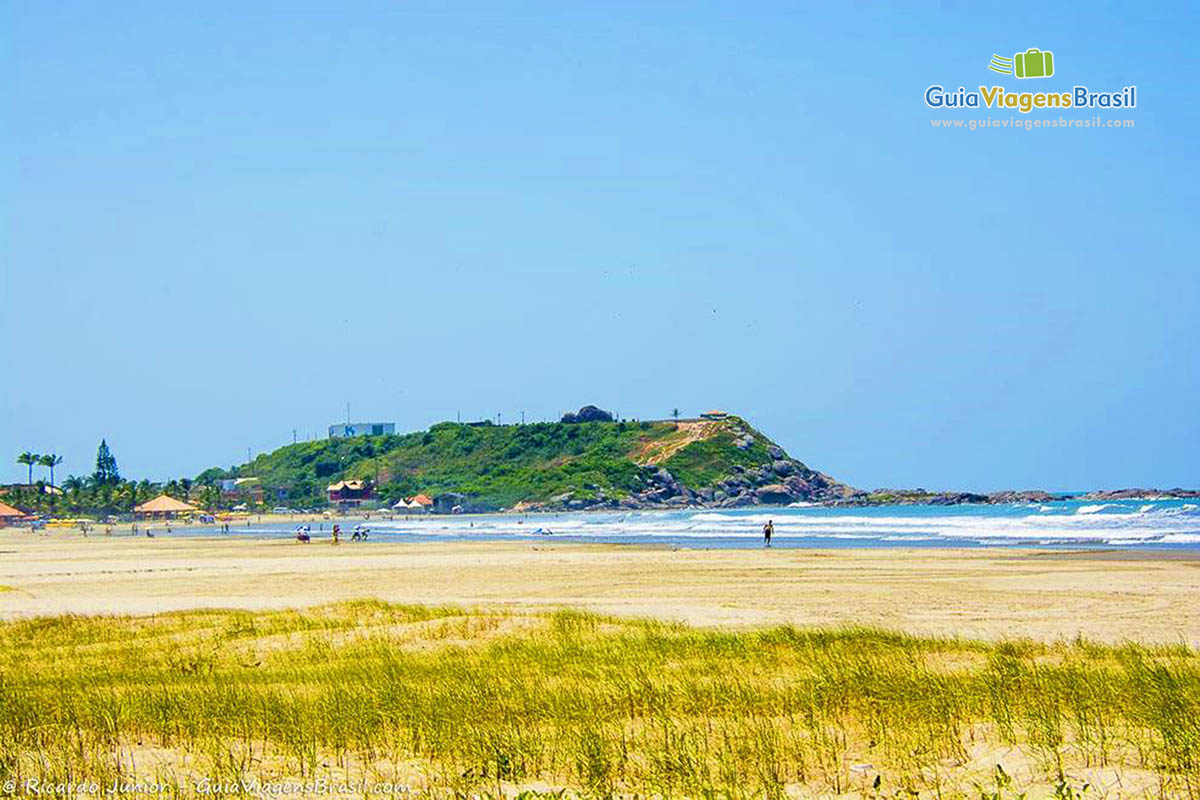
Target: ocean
{"x":1073,"y":524}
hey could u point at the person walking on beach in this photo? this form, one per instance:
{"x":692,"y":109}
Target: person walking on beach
{"x":337,"y":531}
{"x":768,"y":532}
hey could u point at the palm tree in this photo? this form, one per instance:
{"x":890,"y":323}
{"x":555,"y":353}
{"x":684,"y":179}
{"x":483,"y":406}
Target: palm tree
{"x":29,"y":459}
{"x":127,"y":495}
{"x":104,"y":495}
{"x":75,"y":487}
{"x":675,"y":414}
{"x":50,"y":460}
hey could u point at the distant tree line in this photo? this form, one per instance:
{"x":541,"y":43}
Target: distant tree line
{"x":102,"y":492}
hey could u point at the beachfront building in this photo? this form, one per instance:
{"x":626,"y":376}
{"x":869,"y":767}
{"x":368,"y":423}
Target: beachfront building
{"x":163,"y":507}
{"x":10,"y":515}
{"x":35,"y":487}
{"x":349,"y":494}
{"x":248,"y":490}
{"x":347,"y":429}
{"x":421,"y":504}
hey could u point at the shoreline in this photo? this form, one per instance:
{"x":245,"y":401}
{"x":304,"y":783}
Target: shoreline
{"x":879,"y":498}
{"x":1107,"y":595}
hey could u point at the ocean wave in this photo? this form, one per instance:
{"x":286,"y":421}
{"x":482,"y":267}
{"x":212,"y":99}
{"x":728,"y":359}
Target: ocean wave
{"x":1181,"y":538}
{"x":1121,"y":524}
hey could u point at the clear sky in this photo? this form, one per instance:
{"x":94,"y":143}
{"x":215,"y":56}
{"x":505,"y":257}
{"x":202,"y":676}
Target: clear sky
{"x":223,"y":221}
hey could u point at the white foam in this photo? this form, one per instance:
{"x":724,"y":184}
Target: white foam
{"x":1124,"y":523}
{"x":1181,"y":538}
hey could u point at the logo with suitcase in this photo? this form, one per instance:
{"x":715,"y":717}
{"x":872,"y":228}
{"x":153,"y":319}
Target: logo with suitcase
{"x":1033,"y":63}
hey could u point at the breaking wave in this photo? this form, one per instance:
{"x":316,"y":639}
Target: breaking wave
{"x":1126,"y":524}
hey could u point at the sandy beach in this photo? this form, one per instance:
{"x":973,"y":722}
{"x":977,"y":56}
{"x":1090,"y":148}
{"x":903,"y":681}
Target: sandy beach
{"x":990,"y":594}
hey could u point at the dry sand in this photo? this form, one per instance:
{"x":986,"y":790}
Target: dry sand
{"x":992,"y":594}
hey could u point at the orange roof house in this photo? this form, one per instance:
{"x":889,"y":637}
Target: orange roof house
{"x":423,"y":500}
{"x":9,"y":514}
{"x":164,"y":506}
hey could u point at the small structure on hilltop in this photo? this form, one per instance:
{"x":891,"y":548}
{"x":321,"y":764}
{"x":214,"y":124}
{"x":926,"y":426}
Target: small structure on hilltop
{"x":10,"y":515}
{"x":714,"y":415}
{"x":347,"y":430}
{"x":163,"y":507}
{"x":349,"y":494}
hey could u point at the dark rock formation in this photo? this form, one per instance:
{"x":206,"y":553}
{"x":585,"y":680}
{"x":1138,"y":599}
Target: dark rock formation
{"x":588,"y":414}
{"x":1143,"y":494}
{"x":774,"y":494}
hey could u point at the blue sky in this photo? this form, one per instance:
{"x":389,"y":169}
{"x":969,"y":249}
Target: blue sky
{"x":222,"y":223}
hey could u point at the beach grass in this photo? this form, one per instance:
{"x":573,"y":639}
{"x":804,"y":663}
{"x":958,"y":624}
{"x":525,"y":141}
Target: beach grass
{"x":461,"y":703}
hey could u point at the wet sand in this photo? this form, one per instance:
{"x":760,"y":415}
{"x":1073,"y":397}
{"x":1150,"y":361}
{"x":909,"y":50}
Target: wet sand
{"x":990,"y":594}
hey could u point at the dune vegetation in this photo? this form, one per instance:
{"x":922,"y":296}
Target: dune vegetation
{"x":461,"y":703}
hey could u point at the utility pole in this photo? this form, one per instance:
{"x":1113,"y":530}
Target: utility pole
{"x":522,"y":417}
{"x":293,"y":435}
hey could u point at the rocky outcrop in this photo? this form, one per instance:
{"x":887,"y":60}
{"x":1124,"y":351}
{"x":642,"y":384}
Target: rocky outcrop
{"x":1143,"y":494}
{"x":588,"y":414}
{"x":1023,"y":497}
{"x":781,"y":481}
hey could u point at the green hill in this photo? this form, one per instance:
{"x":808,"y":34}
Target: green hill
{"x":723,"y":463}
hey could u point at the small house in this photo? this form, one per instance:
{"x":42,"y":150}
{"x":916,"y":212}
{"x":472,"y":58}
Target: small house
{"x":10,"y":515}
{"x":349,"y":493}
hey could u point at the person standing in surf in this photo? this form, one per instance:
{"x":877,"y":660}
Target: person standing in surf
{"x":768,"y":532}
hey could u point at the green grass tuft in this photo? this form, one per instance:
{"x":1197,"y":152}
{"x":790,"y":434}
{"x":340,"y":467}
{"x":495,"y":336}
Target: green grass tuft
{"x":481,"y":702}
